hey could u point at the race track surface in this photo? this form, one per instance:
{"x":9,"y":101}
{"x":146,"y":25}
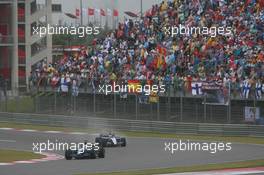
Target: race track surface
{"x":140,"y":153}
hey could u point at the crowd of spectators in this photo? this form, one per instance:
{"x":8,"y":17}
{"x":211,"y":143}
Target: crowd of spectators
{"x":142,"y":50}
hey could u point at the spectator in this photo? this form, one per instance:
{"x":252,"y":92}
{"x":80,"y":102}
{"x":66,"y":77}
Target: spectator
{"x":142,"y":50}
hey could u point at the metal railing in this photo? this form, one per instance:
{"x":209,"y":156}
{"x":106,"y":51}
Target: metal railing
{"x":171,"y":90}
{"x":134,"y":125}
{"x":167,"y":108}
{"x":6,"y":1}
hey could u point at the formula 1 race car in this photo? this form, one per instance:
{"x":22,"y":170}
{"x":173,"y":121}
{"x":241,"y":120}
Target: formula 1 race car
{"x":110,"y":140}
{"x":84,"y":153}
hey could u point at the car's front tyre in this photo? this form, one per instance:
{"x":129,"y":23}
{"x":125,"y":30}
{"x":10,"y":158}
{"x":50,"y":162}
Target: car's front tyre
{"x":68,"y":154}
{"x":124,"y":143}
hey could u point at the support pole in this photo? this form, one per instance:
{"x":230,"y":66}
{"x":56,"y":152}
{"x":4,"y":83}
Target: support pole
{"x":181,"y":108}
{"x":141,"y":8}
{"x":81,"y":11}
{"x":205,"y":108}
{"x":136,"y":107}
{"x":94,"y":107}
{"x":115,"y":105}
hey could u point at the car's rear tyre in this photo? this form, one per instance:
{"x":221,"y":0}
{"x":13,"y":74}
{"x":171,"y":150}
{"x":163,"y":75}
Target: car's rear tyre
{"x":99,"y":141}
{"x":123,"y":140}
{"x":101,"y":153}
{"x":68,"y":154}
{"x":93,"y":155}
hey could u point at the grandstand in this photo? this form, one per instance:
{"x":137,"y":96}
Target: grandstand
{"x":191,"y":65}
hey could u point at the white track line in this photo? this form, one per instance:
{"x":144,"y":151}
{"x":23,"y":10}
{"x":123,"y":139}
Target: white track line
{"x":48,"y":157}
{"x":10,"y":141}
{"x":6,"y":128}
{"x":28,"y":130}
{"x":53,"y":132}
{"x":240,"y":171}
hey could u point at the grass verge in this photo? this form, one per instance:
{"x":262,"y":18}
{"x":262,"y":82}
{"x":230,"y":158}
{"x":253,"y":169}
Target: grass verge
{"x":7,"y":156}
{"x":17,"y":105}
{"x":244,"y":164}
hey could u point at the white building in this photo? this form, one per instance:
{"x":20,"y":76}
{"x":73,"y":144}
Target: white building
{"x":20,"y":49}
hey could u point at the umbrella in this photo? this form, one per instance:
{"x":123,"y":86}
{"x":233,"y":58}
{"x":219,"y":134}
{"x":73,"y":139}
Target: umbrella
{"x":71,"y":15}
{"x":131,"y":14}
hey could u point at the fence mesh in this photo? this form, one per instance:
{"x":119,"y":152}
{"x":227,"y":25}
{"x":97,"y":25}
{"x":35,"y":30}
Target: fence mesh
{"x":168,"y":108}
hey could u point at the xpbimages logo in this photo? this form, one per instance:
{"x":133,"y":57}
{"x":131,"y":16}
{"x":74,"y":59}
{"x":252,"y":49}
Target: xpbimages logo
{"x":204,"y":31}
{"x":80,"y":31}
{"x":40,"y":147}
{"x":125,"y":88}
{"x":212,"y":147}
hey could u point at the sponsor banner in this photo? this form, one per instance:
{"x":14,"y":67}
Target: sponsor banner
{"x":251,"y":114}
{"x":215,"y":92}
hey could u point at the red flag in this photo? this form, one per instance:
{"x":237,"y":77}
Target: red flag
{"x":148,"y":13}
{"x":133,"y":85}
{"x":115,"y":12}
{"x":77,"y":12}
{"x":261,"y":3}
{"x":162,"y":50}
{"x":247,"y":2}
{"x":90,"y":12}
{"x":102,"y":12}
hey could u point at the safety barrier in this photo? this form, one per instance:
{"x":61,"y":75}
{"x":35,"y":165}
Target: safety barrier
{"x":134,"y":125}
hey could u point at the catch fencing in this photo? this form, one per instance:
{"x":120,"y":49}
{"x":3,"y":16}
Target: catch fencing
{"x":167,"y":108}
